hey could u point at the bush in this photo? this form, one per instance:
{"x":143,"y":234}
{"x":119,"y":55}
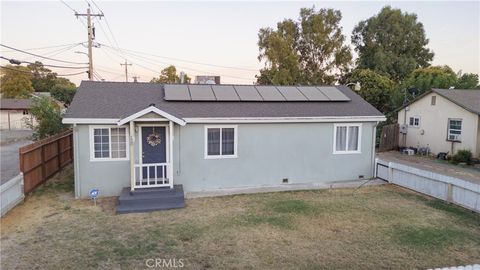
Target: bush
{"x":462,"y":156}
{"x":48,"y":115}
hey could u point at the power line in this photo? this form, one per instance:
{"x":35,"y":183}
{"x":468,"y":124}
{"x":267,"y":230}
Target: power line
{"x":188,"y":61}
{"x":45,"y":65}
{"x":44,"y":57}
{"x":46,"y":47}
{"x":68,"y":6}
{"x":156,"y":62}
{"x":28,"y":72}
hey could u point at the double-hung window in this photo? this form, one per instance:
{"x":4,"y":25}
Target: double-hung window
{"x":414,"y":121}
{"x":454,"y":131}
{"x":108,"y":143}
{"x":221,"y":141}
{"x":347,"y":138}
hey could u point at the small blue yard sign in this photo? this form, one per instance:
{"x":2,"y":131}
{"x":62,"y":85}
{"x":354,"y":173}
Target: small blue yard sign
{"x":94,"y":195}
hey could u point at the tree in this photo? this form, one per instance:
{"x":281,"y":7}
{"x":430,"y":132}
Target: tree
{"x":391,"y":43}
{"x":311,"y":50}
{"x":43,"y":79}
{"x":48,"y":116}
{"x":467,"y":81}
{"x":63,"y":91}
{"x":424,"y":79}
{"x":169,"y":75}
{"x":15,"y":82}
{"x":376,"y":89}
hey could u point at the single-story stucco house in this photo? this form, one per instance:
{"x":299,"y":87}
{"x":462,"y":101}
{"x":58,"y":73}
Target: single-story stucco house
{"x":444,"y":120}
{"x":211,"y":137}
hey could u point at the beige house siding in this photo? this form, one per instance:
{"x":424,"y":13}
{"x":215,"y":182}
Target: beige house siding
{"x":432,"y":131}
{"x":17,"y":119}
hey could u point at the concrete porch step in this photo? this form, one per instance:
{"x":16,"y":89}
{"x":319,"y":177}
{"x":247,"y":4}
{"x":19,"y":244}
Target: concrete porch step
{"x":150,"y":199}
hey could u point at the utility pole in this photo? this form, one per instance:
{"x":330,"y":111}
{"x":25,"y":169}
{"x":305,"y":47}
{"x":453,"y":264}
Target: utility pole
{"x":91,"y":36}
{"x":126,"y":69}
{"x":135,"y":78}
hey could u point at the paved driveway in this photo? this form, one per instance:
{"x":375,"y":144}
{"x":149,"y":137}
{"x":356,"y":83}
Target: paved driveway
{"x":10,"y":142}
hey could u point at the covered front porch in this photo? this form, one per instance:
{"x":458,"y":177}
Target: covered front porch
{"x":151,"y":163}
{"x":151,"y":148}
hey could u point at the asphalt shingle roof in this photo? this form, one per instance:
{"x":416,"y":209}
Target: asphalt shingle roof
{"x":15,"y":104}
{"x":120,"y":99}
{"x":467,"y":99}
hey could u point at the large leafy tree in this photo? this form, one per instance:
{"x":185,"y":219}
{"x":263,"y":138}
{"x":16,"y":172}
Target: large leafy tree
{"x":376,"y":89}
{"x":467,"y":81}
{"x":63,"y":90}
{"x":43,"y":79}
{"x":169,"y":75}
{"x":311,"y":50}
{"x":391,"y":43}
{"x":48,"y":115}
{"x":15,"y":82}
{"x":424,"y":79}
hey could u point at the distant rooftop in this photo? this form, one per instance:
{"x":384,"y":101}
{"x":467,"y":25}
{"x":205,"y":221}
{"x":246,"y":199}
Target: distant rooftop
{"x":15,"y":104}
{"x":468,"y":99}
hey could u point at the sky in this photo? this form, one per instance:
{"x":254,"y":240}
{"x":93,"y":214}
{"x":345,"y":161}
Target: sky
{"x":206,"y":38}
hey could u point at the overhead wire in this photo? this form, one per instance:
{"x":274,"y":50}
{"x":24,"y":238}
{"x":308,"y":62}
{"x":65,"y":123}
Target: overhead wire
{"x":187,"y":61}
{"x":46,"y":47}
{"x":40,"y":56}
{"x":28,"y":72}
{"x":158,"y":63}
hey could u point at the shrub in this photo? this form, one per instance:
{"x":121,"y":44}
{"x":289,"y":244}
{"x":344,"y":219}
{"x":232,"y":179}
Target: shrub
{"x":48,"y":116}
{"x":462,"y":156}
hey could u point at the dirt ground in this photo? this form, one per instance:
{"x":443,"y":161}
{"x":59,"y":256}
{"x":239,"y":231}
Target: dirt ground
{"x":469,"y":173}
{"x":368,"y":228}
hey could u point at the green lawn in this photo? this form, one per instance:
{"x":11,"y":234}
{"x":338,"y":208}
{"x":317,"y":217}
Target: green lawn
{"x":373,"y":227}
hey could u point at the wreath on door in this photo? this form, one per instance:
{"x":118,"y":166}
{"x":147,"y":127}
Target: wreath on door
{"x":154,"y":138}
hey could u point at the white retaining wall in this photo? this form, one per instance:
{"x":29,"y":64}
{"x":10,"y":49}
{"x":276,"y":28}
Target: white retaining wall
{"x":11,"y":193}
{"x":447,"y":188}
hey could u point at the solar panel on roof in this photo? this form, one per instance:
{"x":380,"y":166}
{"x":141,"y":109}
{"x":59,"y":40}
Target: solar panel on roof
{"x":333,"y":93}
{"x":291,"y":93}
{"x":225,"y":93}
{"x":312,"y":93}
{"x":176,"y":92}
{"x":247,"y":93}
{"x":201,"y":92}
{"x":270,"y":93}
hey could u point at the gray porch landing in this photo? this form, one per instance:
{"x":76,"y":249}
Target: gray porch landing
{"x":150,"y":199}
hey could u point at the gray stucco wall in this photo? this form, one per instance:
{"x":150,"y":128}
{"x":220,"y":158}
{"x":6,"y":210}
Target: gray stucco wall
{"x":267,"y":153}
{"x":109,"y":177}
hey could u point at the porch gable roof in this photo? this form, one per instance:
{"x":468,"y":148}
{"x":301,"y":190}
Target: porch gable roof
{"x":148,"y":110}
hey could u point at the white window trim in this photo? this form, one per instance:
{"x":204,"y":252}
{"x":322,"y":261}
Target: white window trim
{"x":414,"y":117}
{"x":448,"y":129}
{"x":92,"y":148}
{"x":220,"y":156}
{"x":359,"y":142}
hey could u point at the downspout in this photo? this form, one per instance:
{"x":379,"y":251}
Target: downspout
{"x":374,"y":136}
{"x":76,"y":167}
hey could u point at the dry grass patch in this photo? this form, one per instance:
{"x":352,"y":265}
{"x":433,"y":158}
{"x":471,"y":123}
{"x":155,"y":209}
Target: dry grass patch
{"x":374,"y":227}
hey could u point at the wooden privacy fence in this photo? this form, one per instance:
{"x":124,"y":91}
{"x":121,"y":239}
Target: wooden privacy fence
{"x":42,"y":159}
{"x":389,"y":137}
